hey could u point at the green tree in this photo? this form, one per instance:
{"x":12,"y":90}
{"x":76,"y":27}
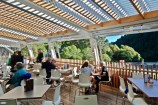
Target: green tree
{"x":144,"y":43}
{"x":25,"y":52}
{"x":35,"y":48}
{"x":71,"y":52}
{"x":106,"y":57}
{"x":87,"y":54}
{"x":126,"y":53}
{"x":81,"y":44}
{"x":113,"y":49}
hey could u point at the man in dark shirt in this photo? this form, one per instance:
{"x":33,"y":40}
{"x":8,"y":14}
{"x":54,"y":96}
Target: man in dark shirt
{"x":49,"y":65}
{"x":104,"y":76}
{"x":40,"y":56}
{"x":14,"y":61}
{"x":20,"y":58}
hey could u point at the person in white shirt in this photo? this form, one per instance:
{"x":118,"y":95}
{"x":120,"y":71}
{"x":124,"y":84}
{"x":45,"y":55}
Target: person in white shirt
{"x":86,"y":69}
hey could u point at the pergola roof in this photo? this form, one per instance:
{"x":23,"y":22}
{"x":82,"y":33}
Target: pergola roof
{"x":52,"y":20}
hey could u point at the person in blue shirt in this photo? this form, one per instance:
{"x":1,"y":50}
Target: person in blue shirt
{"x":86,"y":68}
{"x":17,"y":77}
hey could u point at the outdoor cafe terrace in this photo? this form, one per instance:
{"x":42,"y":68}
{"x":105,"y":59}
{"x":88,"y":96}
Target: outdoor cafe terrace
{"x":28,"y":22}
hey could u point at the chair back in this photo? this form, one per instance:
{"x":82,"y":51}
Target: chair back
{"x":84,"y":78}
{"x":6,"y":70}
{"x":122,"y":84}
{"x":38,"y":81}
{"x":57,"y":97}
{"x":23,"y":83}
{"x":74,"y":72}
{"x":8,"y":102}
{"x":1,"y":90}
{"x":43,"y":72}
{"x":109,"y":78}
{"x":130,"y":94}
{"x":55,"y":73}
{"x":86,"y":100}
{"x":37,"y":66}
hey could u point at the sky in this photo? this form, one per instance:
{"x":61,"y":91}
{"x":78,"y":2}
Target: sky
{"x":113,"y":38}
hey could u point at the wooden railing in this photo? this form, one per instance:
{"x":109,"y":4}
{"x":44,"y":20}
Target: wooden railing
{"x":117,"y":69}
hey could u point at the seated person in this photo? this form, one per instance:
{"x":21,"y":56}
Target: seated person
{"x":17,"y":77}
{"x":86,"y":68}
{"x":48,"y":65}
{"x":103,"y":76}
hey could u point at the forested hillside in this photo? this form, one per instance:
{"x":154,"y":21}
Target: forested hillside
{"x":145,"y":43}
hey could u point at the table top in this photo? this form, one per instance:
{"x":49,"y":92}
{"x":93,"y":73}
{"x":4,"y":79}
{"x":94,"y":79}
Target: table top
{"x":19,"y":93}
{"x":86,"y":100}
{"x":151,"y":91}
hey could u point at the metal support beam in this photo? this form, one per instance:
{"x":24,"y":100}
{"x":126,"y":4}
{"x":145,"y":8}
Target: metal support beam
{"x":57,"y":49}
{"x":9,"y":50}
{"x":95,"y":50}
{"x":30,"y":51}
{"x":52,"y":50}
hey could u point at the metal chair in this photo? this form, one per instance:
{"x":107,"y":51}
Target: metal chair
{"x":37,"y":68}
{"x":73,"y":79}
{"x":55,"y":75}
{"x":38,"y":81}
{"x":132,"y":99}
{"x":122,"y":89}
{"x":84,"y":82}
{"x":42,"y":73}
{"x":106,"y":82}
{"x":1,"y":89}
{"x":86,"y":100}
{"x":57,"y":98}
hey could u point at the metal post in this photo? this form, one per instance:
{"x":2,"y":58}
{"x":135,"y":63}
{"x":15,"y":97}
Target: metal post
{"x":52,"y":50}
{"x":94,"y":47}
{"x":57,"y":49}
{"x":30,"y":51}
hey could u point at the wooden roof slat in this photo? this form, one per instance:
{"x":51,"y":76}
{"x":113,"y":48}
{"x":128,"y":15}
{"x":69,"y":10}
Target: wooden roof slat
{"x":76,"y":9}
{"x":20,"y":25}
{"x":40,"y":3}
{"x":106,"y":8}
{"x":57,"y":11}
{"x":137,"y":7}
{"x":12,"y":35}
{"x":16,"y":19}
{"x":13,"y":26}
{"x":28,"y":16}
{"x":35,"y":1}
